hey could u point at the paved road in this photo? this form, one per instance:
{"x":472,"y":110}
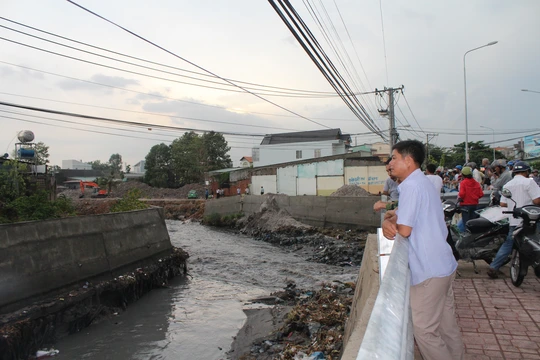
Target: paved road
{"x":498,"y":320}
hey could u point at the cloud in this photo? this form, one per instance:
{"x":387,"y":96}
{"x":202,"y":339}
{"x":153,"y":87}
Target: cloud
{"x":19,"y":74}
{"x":112,"y":81}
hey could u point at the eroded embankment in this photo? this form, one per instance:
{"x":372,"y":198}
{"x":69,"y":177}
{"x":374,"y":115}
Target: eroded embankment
{"x":39,"y":325}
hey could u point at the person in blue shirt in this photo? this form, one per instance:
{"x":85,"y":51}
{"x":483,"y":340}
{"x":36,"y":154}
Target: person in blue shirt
{"x":419,"y":217}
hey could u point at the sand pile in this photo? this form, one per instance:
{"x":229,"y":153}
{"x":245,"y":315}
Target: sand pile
{"x":350,"y":190}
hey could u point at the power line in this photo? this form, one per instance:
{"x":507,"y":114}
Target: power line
{"x":151,"y":113}
{"x":313,"y":49}
{"x":414,"y":117}
{"x":274,"y":92}
{"x":156,"y":63}
{"x":159,"y":96}
{"x":153,"y":76}
{"x":384,"y":42}
{"x":125,"y":122}
{"x":193,"y":64}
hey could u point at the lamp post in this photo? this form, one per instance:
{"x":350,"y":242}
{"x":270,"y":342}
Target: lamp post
{"x":487,"y":127}
{"x":465,"y":85}
{"x":538,"y":92}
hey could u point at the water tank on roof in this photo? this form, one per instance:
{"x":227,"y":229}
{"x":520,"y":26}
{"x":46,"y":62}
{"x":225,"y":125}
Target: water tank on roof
{"x":25,"y":136}
{"x":26,"y":153}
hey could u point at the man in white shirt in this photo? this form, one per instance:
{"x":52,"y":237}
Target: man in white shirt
{"x":435,"y":179}
{"x":419,"y":217}
{"x":524,"y":192}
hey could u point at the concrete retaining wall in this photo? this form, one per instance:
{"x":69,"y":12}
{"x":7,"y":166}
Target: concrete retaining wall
{"x":327,"y":211}
{"x":367,"y":288}
{"x":40,"y":256}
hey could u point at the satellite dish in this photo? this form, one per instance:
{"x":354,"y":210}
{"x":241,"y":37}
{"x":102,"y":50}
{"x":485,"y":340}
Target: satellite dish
{"x":25,"y":136}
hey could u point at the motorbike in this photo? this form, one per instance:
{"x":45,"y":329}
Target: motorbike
{"x":482,"y":237}
{"x":526,"y":248}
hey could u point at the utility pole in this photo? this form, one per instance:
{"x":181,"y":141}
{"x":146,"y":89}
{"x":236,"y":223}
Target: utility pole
{"x":429,"y":137}
{"x":392,"y":132}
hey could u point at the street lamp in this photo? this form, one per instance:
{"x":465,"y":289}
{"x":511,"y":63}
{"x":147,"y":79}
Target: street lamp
{"x":465,"y":84}
{"x":538,"y":92}
{"x":487,"y":127}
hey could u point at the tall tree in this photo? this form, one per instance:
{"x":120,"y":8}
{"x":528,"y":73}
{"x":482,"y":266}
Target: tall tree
{"x":477,"y":151}
{"x":216,"y":151}
{"x":188,"y":155}
{"x":158,"y":167}
{"x":115,"y":162}
{"x":98,"y":165}
{"x":42,"y":153}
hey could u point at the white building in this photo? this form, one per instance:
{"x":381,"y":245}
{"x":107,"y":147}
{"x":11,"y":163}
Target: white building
{"x":75,"y":165}
{"x":139,"y":168}
{"x":287,"y":147}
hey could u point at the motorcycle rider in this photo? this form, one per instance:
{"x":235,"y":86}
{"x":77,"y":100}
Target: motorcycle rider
{"x":498,"y":167}
{"x":524,"y":192}
{"x":470,"y":192}
{"x":476,"y":174}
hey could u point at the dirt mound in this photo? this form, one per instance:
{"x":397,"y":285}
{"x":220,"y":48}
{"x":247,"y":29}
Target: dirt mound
{"x":120,"y":189}
{"x":271,"y":218}
{"x":149,"y":192}
{"x":350,"y":190}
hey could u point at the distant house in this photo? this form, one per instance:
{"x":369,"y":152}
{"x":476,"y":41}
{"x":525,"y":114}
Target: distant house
{"x":139,"y":168}
{"x":246,"y":161}
{"x":75,"y":165}
{"x":362,"y":150}
{"x":287,"y":147}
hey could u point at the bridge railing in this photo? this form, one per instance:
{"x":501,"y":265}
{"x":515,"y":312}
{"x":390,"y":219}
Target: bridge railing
{"x":389,"y":333}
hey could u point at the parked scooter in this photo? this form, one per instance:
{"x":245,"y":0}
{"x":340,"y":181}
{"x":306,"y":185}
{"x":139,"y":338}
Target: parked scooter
{"x":526,"y":250}
{"x":481,"y":239}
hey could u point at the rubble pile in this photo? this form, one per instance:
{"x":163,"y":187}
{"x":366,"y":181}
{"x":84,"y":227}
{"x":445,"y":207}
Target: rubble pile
{"x":350,"y":190}
{"x":314,"y":326}
{"x":330,"y":246}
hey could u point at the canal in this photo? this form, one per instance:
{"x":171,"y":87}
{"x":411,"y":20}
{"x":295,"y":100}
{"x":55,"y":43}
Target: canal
{"x":198,"y":316}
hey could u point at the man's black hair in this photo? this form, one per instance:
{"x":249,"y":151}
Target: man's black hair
{"x":413,"y":148}
{"x":431,"y":168}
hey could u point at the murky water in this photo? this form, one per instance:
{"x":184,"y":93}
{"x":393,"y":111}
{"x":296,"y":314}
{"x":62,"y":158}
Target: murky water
{"x":197,"y":317}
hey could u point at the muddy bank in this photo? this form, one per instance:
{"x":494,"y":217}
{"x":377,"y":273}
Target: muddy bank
{"x":68,"y":311}
{"x":325,"y":245}
{"x":303,"y":323}
{"x":174,"y":209}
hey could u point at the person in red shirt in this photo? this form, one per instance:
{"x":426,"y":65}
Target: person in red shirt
{"x":470,"y":193}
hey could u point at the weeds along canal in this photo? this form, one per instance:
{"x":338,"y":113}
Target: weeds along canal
{"x":198,"y":316}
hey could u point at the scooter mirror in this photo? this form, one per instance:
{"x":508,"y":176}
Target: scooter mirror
{"x":506,"y":193}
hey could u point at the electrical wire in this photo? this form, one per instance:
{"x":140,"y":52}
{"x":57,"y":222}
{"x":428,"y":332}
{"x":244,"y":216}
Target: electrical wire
{"x":193,"y":64}
{"x":311,"y":46}
{"x":273,"y":92}
{"x":384,"y":42}
{"x":156,"y":63}
{"x":125,"y":122}
{"x":151,"y":113}
{"x":159,"y":96}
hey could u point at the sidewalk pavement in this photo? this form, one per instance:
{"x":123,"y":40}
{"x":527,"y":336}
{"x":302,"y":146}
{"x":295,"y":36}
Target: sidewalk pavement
{"x":497,"y":319}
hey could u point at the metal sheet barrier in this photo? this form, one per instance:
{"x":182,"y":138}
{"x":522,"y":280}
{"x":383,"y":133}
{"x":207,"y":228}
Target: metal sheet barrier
{"x":389,"y":334}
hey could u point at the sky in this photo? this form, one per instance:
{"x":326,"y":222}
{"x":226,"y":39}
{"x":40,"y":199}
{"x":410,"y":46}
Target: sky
{"x":386,"y":43}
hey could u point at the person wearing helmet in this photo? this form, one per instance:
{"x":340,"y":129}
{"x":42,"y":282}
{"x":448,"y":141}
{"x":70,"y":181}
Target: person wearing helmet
{"x":503,"y":176}
{"x":476,"y":174}
{"x":470,"y":193}
{"x":510,"y":165}
{"x":524,"y":192}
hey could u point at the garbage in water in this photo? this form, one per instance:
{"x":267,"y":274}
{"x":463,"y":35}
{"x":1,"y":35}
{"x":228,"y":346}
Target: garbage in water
{"x":43,"y":354}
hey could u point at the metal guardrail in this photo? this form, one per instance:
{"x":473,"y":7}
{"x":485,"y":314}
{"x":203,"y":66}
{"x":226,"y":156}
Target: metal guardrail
{"x":389,"y":334}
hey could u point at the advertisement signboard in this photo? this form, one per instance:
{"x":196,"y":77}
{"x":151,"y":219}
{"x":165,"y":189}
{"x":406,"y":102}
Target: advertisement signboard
{"x":531,"y":146}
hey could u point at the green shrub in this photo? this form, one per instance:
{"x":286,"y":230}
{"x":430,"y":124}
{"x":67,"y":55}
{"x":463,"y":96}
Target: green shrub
{"x":130,"y":202}
{"x":213,"y":219}
{"x":35,"y":207}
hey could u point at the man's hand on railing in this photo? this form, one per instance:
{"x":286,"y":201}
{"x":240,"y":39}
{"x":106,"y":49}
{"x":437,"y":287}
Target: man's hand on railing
{"x":389,"y":226}
{"x":379,"y":205}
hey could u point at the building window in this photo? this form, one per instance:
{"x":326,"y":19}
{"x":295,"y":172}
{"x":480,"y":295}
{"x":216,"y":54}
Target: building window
{"x":298,"y":154}
{"x":255,"y":154}
{"x":317,"y":153}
